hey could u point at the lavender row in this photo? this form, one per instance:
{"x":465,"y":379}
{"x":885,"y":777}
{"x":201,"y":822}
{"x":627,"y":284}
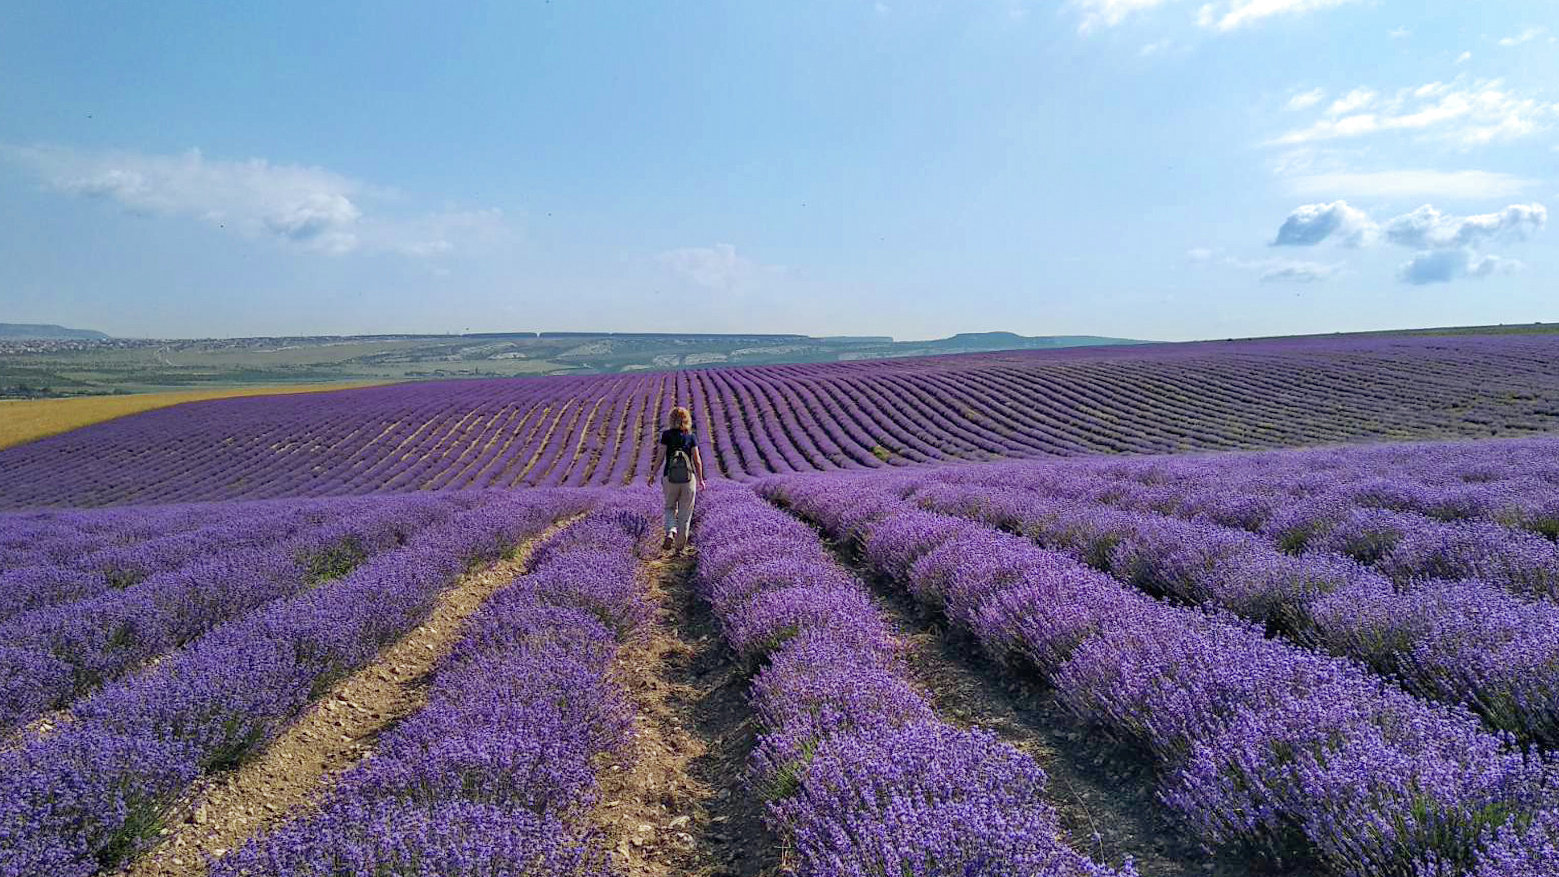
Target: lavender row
{"x":1465,"y":642}
{"x":496,"y":774}
{"x":95,"y":793}
{"x":1403,"y":545}
{"x":825,"y":416}
{"x":1514,"y":483}
{"x":1265,"y":746}
{"x":858,"y":773}
{"x":50,"y":656}
{"x":120,"y":547}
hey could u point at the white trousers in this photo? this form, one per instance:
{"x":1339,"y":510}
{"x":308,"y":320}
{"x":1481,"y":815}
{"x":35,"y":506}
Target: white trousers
{"x":679,"y":504}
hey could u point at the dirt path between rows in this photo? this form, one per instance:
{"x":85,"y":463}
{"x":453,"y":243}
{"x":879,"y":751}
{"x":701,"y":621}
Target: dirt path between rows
{"x":1104,"y":792}
{"x":677,"y":806}
{"x":295,"y":771}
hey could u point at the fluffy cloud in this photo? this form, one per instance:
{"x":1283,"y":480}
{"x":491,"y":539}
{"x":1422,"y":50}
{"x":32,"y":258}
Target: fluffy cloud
{"x":1467,"y":113}
{"x":1427,"y":227}
{"x":1448,"y":246}
{"x":309,"y":207}
{"x":1313,"y":223}
{"x":1443,"y":266}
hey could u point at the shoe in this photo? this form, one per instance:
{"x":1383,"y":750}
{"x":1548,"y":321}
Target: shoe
{"x":666,"y":543}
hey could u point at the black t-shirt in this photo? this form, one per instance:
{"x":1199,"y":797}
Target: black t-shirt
{"x":677,"y":440}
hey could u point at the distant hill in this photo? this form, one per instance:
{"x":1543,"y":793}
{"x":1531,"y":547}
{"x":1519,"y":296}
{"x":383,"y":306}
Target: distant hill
{"x":46,"y":362}
{"x":1012,"y":341}
{"x":47,"y":332}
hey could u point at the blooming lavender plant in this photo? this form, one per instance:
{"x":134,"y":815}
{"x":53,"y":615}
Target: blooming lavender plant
{"x":857,"y":771}
{"x":497,"y":774}
{"x":210,"y":705}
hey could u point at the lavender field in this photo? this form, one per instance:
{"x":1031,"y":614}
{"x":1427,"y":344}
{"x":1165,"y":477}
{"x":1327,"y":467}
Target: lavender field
{"x":1083,"y":613}
{"x":778,"y":419}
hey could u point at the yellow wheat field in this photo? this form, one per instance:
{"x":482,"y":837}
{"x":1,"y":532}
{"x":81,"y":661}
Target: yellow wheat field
{"x":25,"y":420}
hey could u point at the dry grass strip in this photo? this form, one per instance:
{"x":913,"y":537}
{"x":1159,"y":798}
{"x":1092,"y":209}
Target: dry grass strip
{"x":291,"y":776}
{"x":26,"y":420}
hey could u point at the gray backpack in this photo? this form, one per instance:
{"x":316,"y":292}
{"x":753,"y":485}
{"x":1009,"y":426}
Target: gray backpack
{"x":679,"y":466}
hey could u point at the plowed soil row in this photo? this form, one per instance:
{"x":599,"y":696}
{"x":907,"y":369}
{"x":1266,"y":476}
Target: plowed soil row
{"x":677,"y":806}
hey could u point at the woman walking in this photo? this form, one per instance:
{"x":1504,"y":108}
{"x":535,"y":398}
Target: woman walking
{"x":681,"y":474}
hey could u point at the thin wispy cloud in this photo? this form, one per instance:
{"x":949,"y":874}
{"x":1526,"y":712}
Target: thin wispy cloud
{"x":1236,"y":14}
{"x":1109,"y":13}
{"x":1304,"y":100}
{"x":1526,"y":36}
{"x":1465,"y":113}
{"x":1275,"y":270}
{"x":1222,"y":16}
{"x":308,"y":207}
{"x":1406,"y":183}
{"x":717,"y":267}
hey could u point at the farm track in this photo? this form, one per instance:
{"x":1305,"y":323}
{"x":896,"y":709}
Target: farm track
{"x":677,"y":807}
{"x":294,"y":773}
{"x":1103,"y":791}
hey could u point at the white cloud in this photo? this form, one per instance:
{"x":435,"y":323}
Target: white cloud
{"x":1270,"y":270}
{"x":309,"y":207}
{"x":1443,"y":266}
{"x":1311,"y":224}
{"x":1294,"y":271}
{"x":1466,"y":113}
{"x":1157,"y":47}
{"x":1399,"y":33}
{"x":1526,"y":36}
{"x":1353,"y":101}
{"x":1220,"y":15}
{"x":1464,"y":57}
{"x":718,"y":267}
{"x":1304,"y":100}
{"x":1427,"y":227}
{"x":1228,"y":15}
{"x":1108,"y":13}
{"x":1409,"y":183}
{"x":1448,"y":246}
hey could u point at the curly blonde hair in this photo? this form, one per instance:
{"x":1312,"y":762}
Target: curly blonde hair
{"x":681,"y":418}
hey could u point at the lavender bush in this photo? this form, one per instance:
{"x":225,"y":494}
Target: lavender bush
{"x":210,"y":705}
{"x":857,"y":771}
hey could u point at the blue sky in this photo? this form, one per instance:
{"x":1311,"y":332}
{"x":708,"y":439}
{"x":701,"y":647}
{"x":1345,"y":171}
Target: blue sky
{"x":1167,"y":169}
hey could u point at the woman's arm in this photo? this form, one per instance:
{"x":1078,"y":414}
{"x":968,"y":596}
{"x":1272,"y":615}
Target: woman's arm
{"x":654,"y":465}
{"x":698,"y":464}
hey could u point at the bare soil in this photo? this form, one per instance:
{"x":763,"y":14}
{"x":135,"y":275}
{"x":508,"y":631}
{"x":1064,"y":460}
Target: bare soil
{"x":295,"y":771}
{"x":677,"y":805}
